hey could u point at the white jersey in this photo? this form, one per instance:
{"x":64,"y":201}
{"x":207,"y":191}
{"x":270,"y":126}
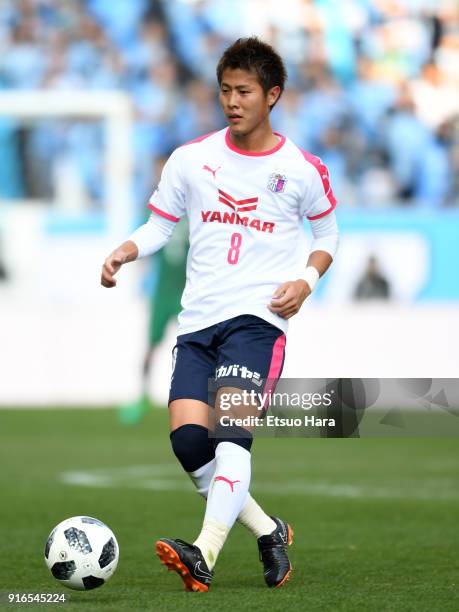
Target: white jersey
{"x":245,"y":213}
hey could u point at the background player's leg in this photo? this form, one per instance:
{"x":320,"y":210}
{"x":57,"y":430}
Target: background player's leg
{"x":163,"y":307}
{"x":131,"y":413}
{"x":161,"y":312}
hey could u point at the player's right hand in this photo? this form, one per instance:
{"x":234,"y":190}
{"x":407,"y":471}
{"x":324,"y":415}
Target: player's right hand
{"x":111,"y":266}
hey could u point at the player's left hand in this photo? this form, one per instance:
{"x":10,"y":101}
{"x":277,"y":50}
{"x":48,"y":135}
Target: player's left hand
{"x":289,"y":297}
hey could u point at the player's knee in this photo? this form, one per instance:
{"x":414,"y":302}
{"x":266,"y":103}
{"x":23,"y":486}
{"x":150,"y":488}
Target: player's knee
{"x":192,"y":446}
{"x":235,"y":434}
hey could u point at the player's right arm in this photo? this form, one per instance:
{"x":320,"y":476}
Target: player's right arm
{"x":146,"y":240}
{"x":128,"y":251}
{"x":167,"y":205}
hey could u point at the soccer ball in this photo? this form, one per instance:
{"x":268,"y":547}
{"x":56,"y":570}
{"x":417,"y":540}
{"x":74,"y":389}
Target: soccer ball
{"x":82,"y":553}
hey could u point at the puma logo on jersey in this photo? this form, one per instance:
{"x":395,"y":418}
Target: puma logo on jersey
{"x":225,"y":479}
{"x":209,"y":169}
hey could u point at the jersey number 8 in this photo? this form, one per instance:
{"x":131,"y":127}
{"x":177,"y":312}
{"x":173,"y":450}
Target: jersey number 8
{"x":233,"y":253}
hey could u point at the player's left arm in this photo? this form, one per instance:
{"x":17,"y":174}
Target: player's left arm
{"x":289,"y":297}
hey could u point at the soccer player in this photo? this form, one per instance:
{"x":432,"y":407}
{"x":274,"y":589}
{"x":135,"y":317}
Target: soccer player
{"x":245,"y":190}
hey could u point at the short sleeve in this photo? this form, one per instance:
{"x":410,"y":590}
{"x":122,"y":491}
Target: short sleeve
{"x":168,"y":199}
{"x":319,"y":200}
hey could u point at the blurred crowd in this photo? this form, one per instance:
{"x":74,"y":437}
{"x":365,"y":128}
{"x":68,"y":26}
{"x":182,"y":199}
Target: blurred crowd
{"x":373,"y":87}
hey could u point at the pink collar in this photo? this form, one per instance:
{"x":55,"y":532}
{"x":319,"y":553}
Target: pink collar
{"x":253,"y":153}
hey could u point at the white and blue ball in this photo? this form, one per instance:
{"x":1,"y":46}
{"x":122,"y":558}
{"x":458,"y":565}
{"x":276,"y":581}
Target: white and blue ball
{"x":82,"y":553}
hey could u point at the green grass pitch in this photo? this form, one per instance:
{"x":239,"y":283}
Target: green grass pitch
{"x":375,"y":520}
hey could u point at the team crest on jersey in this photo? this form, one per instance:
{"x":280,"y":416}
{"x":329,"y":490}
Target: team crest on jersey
{"x":277,"y":182}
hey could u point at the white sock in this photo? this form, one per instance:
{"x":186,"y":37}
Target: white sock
{"x":211,"y":539}
{"x":202,"y":477}
{"x":230,"y":483}
{"x":252,"y":516}
{"x":255,"y":519}
{"x":226,"y":497}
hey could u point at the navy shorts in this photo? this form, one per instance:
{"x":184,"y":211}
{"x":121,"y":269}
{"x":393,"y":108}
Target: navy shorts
{"x":245,"y":352}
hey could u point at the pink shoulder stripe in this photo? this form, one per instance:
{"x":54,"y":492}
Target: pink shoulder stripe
{"x":162,"y":213}
{"x":198,"y":139}
{"x":325,"y":178}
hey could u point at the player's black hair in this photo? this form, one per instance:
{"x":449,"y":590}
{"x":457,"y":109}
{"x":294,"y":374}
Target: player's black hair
{"x":256,"y":56}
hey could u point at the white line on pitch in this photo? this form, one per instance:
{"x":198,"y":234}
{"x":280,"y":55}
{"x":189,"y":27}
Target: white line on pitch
{"x":168,"y":477}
